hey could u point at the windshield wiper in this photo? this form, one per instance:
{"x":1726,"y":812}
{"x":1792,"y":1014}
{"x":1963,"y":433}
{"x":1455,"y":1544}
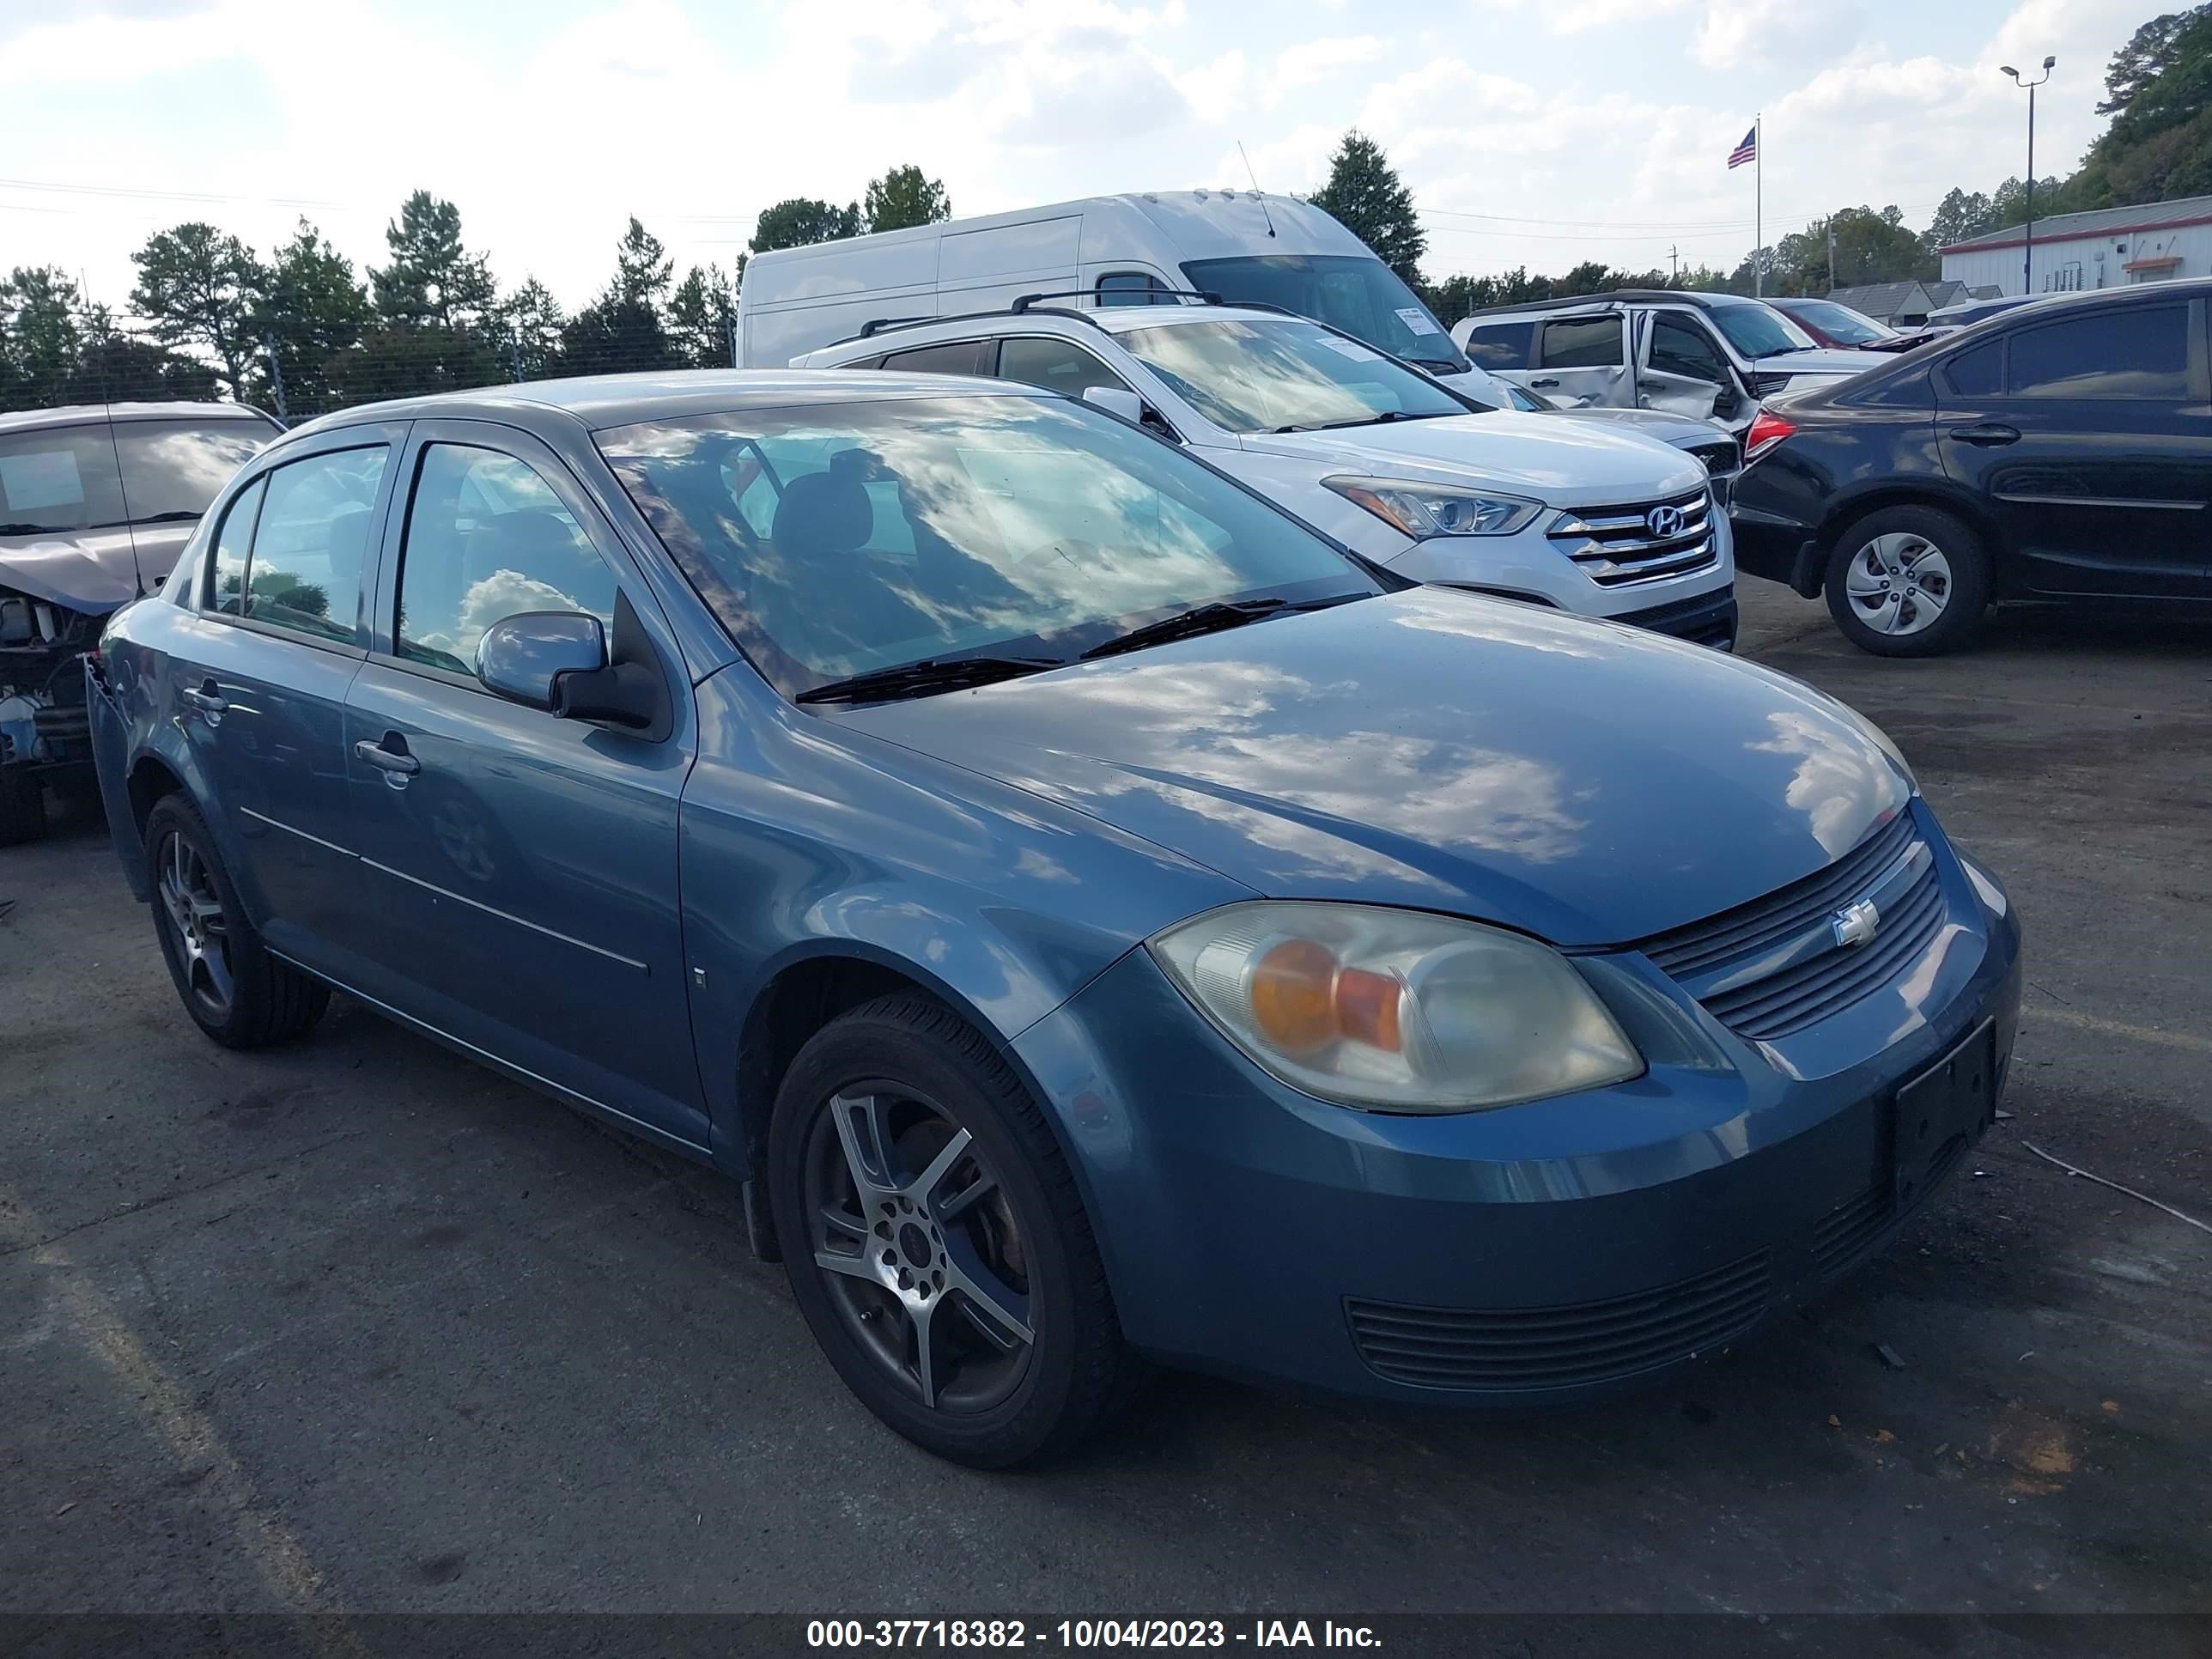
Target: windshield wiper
{"x":1211,"y":618}
{"x":1383,"y":419}
{"x":36,"y":529}
{"x":919,"y":680}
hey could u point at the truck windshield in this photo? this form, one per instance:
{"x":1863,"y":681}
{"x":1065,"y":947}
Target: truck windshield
{"x":1361,"y":296}
{"x":1758,"y":330}
{"x":1285,"y":376}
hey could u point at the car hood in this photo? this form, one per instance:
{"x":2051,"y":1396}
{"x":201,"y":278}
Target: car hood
{"x":1676,"y":430}
{"x":1587,"y":782}
{"x":1571,"y":465}
{"x":93,"y":571}
{"x":1821,"y":359}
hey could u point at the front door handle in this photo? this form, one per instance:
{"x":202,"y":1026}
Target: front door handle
{"x":390,"y":757}
{"x":207,"y":697}
{"x":1986,"y":435}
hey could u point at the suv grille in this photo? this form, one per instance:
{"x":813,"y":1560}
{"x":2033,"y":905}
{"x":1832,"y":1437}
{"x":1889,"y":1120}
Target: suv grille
{"x":1773,"y":966}
{"x":1513,"y":1349}
{"x":1765,"y":386}
{"x":1617,"y":545}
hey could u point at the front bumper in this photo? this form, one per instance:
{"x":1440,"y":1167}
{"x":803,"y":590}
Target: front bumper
{"x":1529,"y":566}
{"x":1549,"y":1252}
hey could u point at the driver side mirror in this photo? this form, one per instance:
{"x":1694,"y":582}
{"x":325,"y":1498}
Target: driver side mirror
{"x":524,"y":658}
{"x":1116,"y":401}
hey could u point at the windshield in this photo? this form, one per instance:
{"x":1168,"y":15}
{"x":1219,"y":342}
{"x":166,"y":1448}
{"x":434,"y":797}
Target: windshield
{"x":1758,"y":330}
{"x":1284,"y":376}
{"x":1840,"y":322}
{"x":173,"y":469}
{"x":841,"y":540}
{"x":1355,"y":293}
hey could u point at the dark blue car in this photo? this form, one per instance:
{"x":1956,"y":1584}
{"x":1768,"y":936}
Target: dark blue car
{"x":1096,"y":917}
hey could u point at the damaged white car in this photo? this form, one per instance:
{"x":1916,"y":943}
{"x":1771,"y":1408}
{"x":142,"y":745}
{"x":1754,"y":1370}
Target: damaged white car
{"x":96,"y":500}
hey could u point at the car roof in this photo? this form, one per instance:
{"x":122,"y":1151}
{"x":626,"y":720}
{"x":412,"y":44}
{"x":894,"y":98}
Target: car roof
{"x":1681,"y":296}
{"x":1069,"y":321}
{"x":600,"y":401}
{"x":88,"y":414}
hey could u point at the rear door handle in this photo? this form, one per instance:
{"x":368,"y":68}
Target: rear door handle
{"x":395,"y":763}
{"x":1988,"y":434}
{"x":207,"y":697}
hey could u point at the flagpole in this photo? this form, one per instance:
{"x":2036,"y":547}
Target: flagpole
{"x":1758,"y":188}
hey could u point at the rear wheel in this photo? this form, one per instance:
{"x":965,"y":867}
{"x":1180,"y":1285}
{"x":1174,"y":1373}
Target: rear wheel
{"x":234,"y":989}
{"x":935,"y":1241}
{"x":22,"y":806}
{"x":1909,"y":581}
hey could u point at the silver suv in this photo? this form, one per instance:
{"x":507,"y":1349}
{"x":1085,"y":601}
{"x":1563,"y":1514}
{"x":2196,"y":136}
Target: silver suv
{"x":1713,"y":355}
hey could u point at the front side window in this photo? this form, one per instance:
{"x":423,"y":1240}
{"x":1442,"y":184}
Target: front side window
{"x":918,"y":530}
{"x":310,"y":543}
{"x":2136,"y":351}
{"x":1286,"y":376}
{"x":1058,"y":366}
{"x":1680,"y":347}
{"x":488,"y":538}
{"x":1583,"y":343}
{"x":1358,"y":294}
{"x":172,"y":469}
{"x":59,"y":480}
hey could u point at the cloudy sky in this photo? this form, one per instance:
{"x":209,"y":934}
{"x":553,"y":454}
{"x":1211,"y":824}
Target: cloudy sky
{"x":1535,"y":131}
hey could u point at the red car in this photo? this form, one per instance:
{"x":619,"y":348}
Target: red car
{"x":1836,"y":324}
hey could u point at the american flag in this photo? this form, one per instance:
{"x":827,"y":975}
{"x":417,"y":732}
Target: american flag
{"x":1746,"y":151}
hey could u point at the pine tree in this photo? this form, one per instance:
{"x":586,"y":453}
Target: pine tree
{"x":802,"y":220}
{"x":1366,"y":197}
{"x":315,"y":309}
{"x":432,"y":278}
{"x":701,"y":316}
{"x":198,"y":286}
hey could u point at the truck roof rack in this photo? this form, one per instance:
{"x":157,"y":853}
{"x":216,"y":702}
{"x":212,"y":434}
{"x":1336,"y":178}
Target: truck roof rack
{"x":1152,"y":294}
{"x":1688,"y":296}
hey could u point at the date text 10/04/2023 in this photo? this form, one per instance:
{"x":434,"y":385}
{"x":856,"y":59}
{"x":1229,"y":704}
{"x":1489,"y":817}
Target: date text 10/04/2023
{"x":1086,"y":1633}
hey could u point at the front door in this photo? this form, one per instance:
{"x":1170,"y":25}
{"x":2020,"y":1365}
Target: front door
{"x":520,"y":891}
{"x":260,"y":683}
{"x":1682,"y":369}
{"x":2089,"y":438}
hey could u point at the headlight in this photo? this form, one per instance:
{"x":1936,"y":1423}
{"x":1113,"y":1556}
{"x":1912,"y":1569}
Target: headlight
{"x":1395,"y":1010}
{"x":1422,"y":510}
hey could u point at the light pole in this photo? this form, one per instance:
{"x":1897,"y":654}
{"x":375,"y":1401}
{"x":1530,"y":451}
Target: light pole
{"x":2028,"y":255}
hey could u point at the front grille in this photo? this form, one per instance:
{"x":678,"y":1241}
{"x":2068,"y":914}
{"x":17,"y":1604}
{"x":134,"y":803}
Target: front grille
{"x":1511,"y":1349}
{"x":1849,"y":1231}
{"x":1814,"y":977}
{"x":1765,"y":386}
{"x":1709,"y":619}
{"x":1720,"y":457}
{"x":1617,"y":545}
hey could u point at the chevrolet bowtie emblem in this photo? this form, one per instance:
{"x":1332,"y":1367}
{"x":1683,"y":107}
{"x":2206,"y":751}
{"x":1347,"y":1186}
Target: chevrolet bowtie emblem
{"x":1855,"y":923}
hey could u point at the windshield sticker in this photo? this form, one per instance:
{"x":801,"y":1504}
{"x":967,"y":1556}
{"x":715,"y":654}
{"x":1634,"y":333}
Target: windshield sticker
{"x":45,"y":477}
{"x":1417,"y":319}
{"x":1351,"y":349}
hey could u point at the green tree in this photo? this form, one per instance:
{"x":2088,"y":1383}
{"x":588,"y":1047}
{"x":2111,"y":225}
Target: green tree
{"x":313,"y":309}
{"x":643,"y":268}
{"x":1960,"y":214}
{"x":2151,"y":50}
{"x":1366,"y":197}
{"x":532,"y":318}
{"x":39,"y":335}
{"x":622,"y":331}
{"x":701,"y":316}
{"x":903,"y":198}
{"x":200,"y":286}
{"x":801,"y":221}
{"x":433,"y":280}
{"x":112,"y":366}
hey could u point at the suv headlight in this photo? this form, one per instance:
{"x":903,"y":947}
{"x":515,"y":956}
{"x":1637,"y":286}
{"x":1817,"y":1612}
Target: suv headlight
{"x":1395,"y":1010}
{"x":1421,"y":510}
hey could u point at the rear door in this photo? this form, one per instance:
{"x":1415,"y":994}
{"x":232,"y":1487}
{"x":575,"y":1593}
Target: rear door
{"x":2089,"y":437}
{"x":520,"y":891}
{"x":259,"y":680}
{"x":1583,"y":357}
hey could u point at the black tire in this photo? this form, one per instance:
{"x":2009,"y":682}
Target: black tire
{"x":23,"y":807}
{"x":1008,"y":1208}
{"x":1966,"y":591}
{"x":254,"y":1001}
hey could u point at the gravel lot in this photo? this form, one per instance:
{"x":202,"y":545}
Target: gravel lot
{"x":357,"y":1326}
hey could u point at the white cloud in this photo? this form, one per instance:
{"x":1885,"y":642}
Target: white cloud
{"x":1737,"y":33}
{"x":1315,"y":61}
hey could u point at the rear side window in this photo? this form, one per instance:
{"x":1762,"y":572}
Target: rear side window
{"x":1583,"y":343}
{"x":488,"y":538}
{"x":2135,"y":351}
{"x":1133,"y":288}
{"x":1978,"y":372}
{"x":59,"y":480}
{"x":954,"y":357}
{"x":1501,"y":345}
{"x":172,"y":469}
{"x":226,"y":582}
{"x":304,"y":570}
{"x":1056,"y":365}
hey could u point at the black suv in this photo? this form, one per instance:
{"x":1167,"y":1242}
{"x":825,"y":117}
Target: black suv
{"x":2059,"y":451}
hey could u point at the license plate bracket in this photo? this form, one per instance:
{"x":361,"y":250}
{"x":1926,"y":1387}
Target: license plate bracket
{"x":1941,"y":1113}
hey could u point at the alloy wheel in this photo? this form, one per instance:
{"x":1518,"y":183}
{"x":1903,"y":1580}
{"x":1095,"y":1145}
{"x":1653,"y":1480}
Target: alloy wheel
{"x":1899,"y":584}
{"x":920,"y":1246}
{"x":192,"y":918}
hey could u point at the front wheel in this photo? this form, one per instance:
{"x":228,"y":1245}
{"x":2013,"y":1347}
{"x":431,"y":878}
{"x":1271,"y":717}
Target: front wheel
{"x":935,"y":1241}
{"x":1909,"y":581}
